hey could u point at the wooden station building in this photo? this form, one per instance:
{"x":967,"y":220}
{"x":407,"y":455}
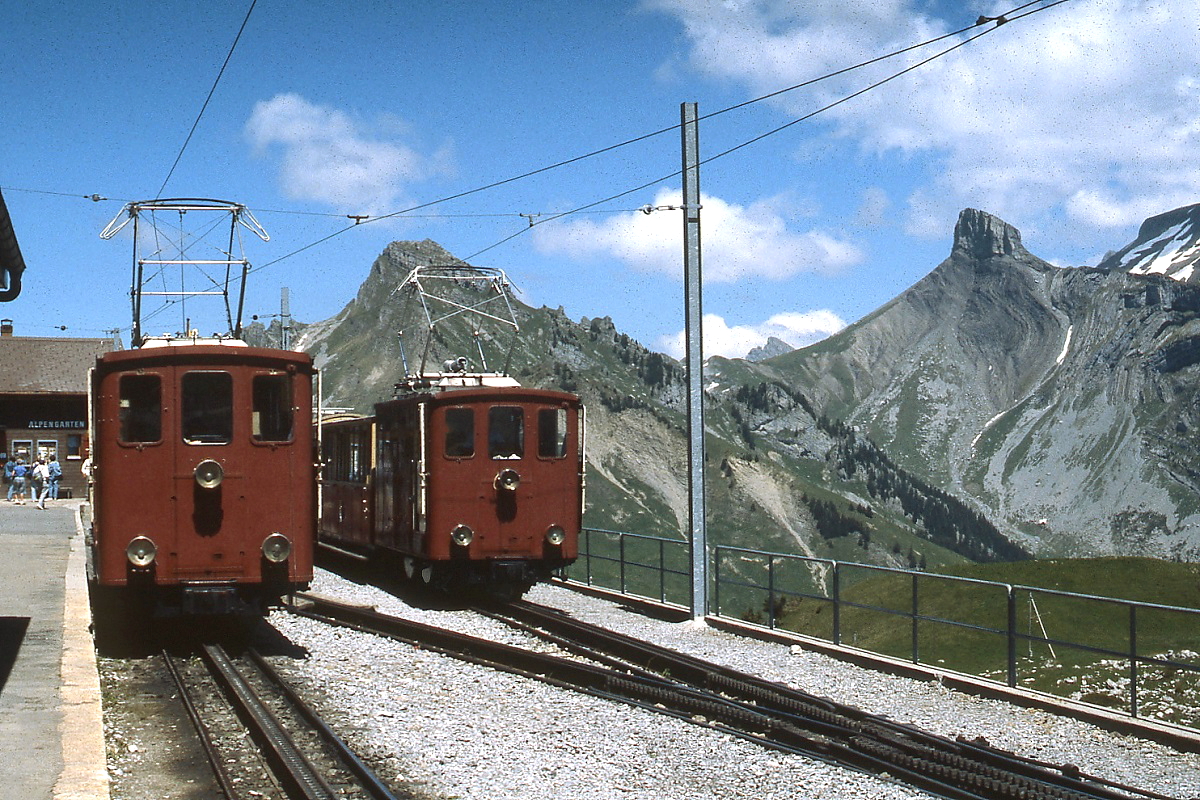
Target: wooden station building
{"x":43,"y":400}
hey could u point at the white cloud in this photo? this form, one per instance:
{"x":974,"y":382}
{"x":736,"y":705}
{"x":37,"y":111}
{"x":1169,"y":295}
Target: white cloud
{"x":329,"y":156}
{"x":873,"y":211}
{"x":1086,"y":113}
{"x":736,"y":241}
{"x":798,"y":329}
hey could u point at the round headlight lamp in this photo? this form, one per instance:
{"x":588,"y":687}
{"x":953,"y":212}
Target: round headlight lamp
{"x":462,"y":535}
{"x":209,"y":473}
{"x":508,"y":480}
{"x":555,"y":535}
{"x":141,"y":551}
{"x":276,"y":548}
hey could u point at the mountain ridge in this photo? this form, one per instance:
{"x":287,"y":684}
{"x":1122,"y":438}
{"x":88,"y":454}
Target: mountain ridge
{"x":1000,"y":398}
{"x":1056,"y":398}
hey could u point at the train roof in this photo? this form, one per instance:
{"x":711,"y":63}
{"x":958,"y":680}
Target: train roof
{"x":500,"y":394}
{"x":202,"y":351}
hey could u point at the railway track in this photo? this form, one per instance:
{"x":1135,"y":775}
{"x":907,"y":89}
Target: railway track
{"x":295,"y":755}
{"x":620,"y":668}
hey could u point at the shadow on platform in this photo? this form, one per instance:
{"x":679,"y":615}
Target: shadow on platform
{"x":12,"y":635}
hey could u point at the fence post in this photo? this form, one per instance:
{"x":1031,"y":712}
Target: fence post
{"x":916,"y":656}
{"x":662,"y":572}
{"x":717,"y":580}
{"x":587,"y":538}
{"x":837,"y":602}
{"x":771,"y":592}
{"x":1133,"y":662}
{"x":1012,"y":637}
{"x":621,"y":550}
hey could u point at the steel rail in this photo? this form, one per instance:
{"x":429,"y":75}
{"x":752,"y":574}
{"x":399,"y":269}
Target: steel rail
{"x":704,"y":694}
{"x":366,"y":776}
{"x":570,"y":633}
{"x":300,"y":778}
{"x":767,"y":695}
{"x":210,"y":749}
{"x":655,"y":694}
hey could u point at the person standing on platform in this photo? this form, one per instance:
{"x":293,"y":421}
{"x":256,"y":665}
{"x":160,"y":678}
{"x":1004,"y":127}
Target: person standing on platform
{"x":86,"y":469}
{"x":53,"y":476}
{"x":18,"y":481}
{"x":41,"y":484}
{"x":8,"y":473}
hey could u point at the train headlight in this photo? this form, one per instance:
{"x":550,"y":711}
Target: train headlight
{"x":555,"y":535}
{"x":141,"y":551}
{"x":508,"y":480}
{"x":209,"y":473}
{"x":462,"y":535}
{"x":276,"y":548}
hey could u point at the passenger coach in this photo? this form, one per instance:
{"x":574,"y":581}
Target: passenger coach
{"x":203,"y":475}
{"x":471,"y":486}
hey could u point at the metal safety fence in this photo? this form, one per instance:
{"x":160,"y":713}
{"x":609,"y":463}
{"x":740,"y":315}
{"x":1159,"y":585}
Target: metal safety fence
{"x":1140,"y":659}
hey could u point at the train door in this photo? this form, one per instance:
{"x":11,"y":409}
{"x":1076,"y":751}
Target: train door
{"x":486,"y":477}
{"x":347,"y":483}
{"x":399,"y":505}
{"x":210,"y":479}
{"x":557,"y":466}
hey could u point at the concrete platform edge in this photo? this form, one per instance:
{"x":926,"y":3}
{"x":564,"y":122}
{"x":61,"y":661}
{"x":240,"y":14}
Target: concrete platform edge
{"x":85,"y":760}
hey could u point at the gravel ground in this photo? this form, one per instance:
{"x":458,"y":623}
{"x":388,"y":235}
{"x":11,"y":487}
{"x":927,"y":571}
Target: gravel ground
{"x":454,"y":730}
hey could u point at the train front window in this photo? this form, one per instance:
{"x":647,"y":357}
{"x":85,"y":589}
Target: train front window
{"x":552,"y":433}
{"x":207,"y":407}
{"x":140,"y":408}
{"x":506,"y":432}
{"x":460,"y":432}
{"x":272,"y":413}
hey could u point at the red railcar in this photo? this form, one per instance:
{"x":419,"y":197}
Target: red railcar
{"x":469,"y":487}
{"x":204,"y":477}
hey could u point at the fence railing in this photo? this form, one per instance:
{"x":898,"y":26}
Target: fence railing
{"x":1141,"y":659}
{"x":651,"y":567}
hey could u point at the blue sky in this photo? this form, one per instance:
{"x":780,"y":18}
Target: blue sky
{"x":1073,"y":124}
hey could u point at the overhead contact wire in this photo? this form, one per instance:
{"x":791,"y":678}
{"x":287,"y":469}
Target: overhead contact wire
{"x":787,"y":125}
{"x":1000,"y":20}
{"x":204,"y":107}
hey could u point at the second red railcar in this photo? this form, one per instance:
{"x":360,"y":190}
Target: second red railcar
{"x":473,"y":486}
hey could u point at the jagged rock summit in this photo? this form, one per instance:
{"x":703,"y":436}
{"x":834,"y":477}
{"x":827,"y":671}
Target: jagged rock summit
{"x":1167,"y":244}
{"x":981,"y":235}
{"x":774,"y":347}
{"x":1063,"y":400}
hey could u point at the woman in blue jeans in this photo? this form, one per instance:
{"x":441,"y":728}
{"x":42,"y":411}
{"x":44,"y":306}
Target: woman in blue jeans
{"x":18,"y":481}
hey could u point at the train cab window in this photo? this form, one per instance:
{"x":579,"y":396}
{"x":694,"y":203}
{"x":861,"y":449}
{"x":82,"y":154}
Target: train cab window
{"x":460,"y":432}
{"x":552,"y":433}
{"x":506,"y":432}
{"x":271,"y":419}
{"x":140,"y":408}
{"x":207,"y":407}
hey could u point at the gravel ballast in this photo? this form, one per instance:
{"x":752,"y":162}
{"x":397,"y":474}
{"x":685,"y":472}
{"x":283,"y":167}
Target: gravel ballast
{"x":452,"y":729}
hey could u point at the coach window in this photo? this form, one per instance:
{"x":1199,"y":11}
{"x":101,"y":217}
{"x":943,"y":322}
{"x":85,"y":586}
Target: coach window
{"x":506,"y":432}
{"x":207,"y":407}
{"x":141,"y":408}
{"x":552,"y":433}
{"x":272,"y":413}
{"x":460,"y":432}
{"x":357,"y":457}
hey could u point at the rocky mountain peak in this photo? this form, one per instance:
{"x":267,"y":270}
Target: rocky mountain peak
{"x":981,"y":235}
{"x":1167,"y":244}
{"x":773,"y":347}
